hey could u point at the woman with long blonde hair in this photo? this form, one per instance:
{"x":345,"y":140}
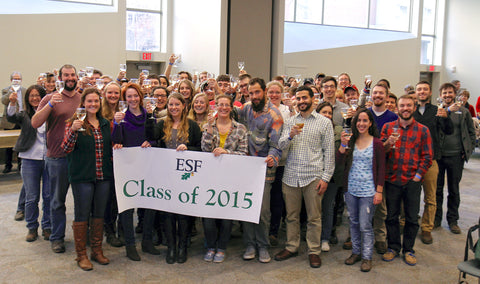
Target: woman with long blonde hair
{"x":175,"y":131}
{"x":199,"y":110}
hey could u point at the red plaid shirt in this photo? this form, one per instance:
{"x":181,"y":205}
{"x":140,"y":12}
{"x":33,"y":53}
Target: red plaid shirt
{"x":70,"y":138}
{"x":412,"y":154}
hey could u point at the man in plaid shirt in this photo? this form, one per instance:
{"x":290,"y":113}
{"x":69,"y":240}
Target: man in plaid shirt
{"x":409,"y":156}
{"x":309,"y":137}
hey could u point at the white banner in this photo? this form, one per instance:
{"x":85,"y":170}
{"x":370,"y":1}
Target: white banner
{"x":190,"y":183}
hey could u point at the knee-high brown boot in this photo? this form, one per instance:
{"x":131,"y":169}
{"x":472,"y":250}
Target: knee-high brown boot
{"x":96,"y":238}
{"x":80,"y":236}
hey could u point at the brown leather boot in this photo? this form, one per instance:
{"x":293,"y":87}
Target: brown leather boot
{"x":80,"y":236}
{"x":96,"y":238}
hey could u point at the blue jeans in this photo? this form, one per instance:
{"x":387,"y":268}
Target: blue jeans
{"x":90,"y":199}
{"x":217,"y":232}
{"x":360,"y":211}
{"x":21,"y":199}
{"x":328,"y":204}
{"x":57,"y":170}
{"x":33,"y":171}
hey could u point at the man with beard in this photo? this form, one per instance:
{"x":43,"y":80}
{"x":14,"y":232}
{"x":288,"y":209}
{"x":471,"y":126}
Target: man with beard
{"x":456,"y":149}
{"x":309,"y":138}
{"x":264,"y":123}
{"x":329,"y":88}
{"x":381,"y":115}
{"x":438,"y":122}
{"x":408,"y":147}
{"x":55,"y":109}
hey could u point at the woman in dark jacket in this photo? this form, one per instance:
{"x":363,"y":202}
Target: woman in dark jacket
{"x":88,"y":146}
{"x":32,"y":149}
{"x":364,"y":179}
{"x":175,"y":131}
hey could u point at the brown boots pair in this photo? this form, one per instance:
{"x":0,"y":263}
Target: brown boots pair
{"x":96,"y":238}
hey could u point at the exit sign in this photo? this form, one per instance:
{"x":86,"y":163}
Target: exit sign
{"x":147,"y":56}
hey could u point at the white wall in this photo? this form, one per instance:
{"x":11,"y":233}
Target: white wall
{"x":33,"y":44}
{"x":397,"y":61}
{"x":462,"y":45}
{"x":199,"y":34}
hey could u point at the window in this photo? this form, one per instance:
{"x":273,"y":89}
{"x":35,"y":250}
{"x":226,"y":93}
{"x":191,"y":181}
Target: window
{"x":143,"y":25}
{"x":428,"y":31}
{"x":392,"y":15}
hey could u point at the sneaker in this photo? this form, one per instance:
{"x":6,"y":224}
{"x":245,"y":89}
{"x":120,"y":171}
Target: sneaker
{"x":454,"y":228}
{"x":410,"y":258}
{"x":249,"y":253}
{"x":32,"y":235}
{"x":366,"y":265}
{"x":58,"y":246}
{"x":325,"y":246}
{"x":208,"y":257}
{"x":426,"y":237}
{"x":389,"y":255}
{"x":263,"y":255}
{"x":19,"y":216}
{"x":219,"y":257}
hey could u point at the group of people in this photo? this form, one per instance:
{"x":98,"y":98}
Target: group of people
{"x":321,"y":154}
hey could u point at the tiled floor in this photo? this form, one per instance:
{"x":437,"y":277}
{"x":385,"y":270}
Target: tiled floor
{"x":23,"y":262}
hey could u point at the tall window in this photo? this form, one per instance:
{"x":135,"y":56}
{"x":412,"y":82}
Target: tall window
{"x":428,"y":31}
{"x":371,"y":14}
{"x":144,"y":25}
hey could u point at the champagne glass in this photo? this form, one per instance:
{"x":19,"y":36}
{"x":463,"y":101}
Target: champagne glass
{"x":60,"y":85}
{"x":344,"y":112}
{"x":134,"y":81}
{"x":368,"y":79}
{"x":150,"y":103}
{"x":440,"y":102}
{"x":89,"y":71}
{"x":122,"y":106}
{"x":123,"y":67}
{"x":349,"y":133}
{"x":145,"y":73}
{"x":298,"y":78}
{"x":214,"y":110}
{"x":396,"y":134}
{"x":16,"y":84}
{"x":354,"y":104}
{"x":459,"y":103}
{"x":147,"y":83}
{"x":81,"y":114}
{"x":81,"y":75}
{"x":99,"y":83}
{"x":234,"y":81}
{"x":241,"y":65}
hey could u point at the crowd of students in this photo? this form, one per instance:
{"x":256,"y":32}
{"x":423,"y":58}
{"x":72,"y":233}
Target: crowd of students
{"x":321,"y":138}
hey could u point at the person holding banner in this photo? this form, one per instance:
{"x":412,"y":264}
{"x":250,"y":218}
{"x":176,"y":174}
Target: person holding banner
{"x":221,"y":135}
{"x":309,"y":138}
{"x":129,"y":131}
{"x":264,"y":123}
{"x":88,"y":146}
{"x":175,"y":131}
